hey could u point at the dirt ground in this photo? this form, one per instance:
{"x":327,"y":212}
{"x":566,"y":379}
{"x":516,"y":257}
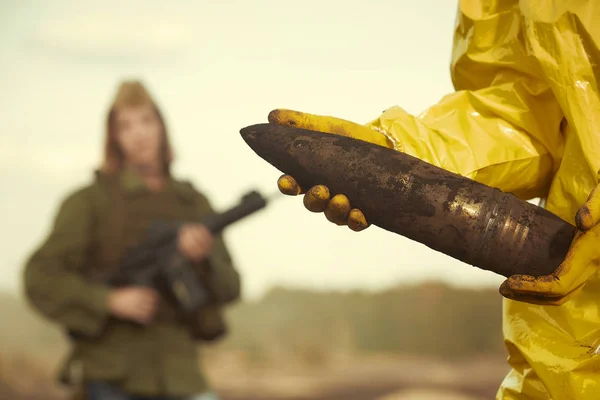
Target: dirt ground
{"x":374,"y":378}
{"x":349,"y":378}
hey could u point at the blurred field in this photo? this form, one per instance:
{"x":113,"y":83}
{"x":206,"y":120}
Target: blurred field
{"x":365,"y":377}
{"x":407,"y":343}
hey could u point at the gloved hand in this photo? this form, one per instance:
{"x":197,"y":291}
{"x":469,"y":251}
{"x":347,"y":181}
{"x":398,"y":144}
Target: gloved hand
{"x":582,"y":261}
{"x":337,"y":209}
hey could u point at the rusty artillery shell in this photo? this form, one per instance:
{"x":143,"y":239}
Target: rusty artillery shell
{"x":472,"y":222}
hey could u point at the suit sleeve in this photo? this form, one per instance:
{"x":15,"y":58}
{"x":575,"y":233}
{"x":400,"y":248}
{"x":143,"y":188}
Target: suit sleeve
{"x":502,"y":126}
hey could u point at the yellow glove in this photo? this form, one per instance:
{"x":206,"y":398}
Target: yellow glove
{"x":582,"y":262}
{"x":337,"y":209}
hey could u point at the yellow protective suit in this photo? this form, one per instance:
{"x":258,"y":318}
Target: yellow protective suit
{"x":525,"y":118}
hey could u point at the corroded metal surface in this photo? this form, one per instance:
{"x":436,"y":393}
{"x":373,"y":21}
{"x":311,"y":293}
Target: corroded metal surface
{"x":474,"y":223}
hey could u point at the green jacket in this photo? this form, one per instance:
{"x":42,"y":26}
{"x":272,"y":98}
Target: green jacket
{"x":64,"y":282}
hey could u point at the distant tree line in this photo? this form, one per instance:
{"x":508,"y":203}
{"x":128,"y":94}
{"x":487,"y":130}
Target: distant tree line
{"x":426,"y":320}
{"x":430,"y":319}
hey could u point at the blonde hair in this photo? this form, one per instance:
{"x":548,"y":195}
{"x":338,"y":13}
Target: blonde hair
{"x":131,"y":94}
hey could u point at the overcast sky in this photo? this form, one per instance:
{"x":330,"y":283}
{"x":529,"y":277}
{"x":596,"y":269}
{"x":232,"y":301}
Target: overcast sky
{"x":215,"y":67}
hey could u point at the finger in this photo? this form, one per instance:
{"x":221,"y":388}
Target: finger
{"x":148,"y":290}
{"x":153,"y":297}
{"x":288,"y":185}
{"x":197,"y":256}
{"x":147,"y":304}
{"x":155,"y":293}
{"x":196,"y":234}
{"x":207,"y":237}
{"x":192,"y":254}
{"x":196,"y":252}
{"x":200,"y":236}
{"x":356,"y":220}
{"x":506,"y":292}
{"x":140,"y":309}
{"x":200,"y":247}
{"x":316,"y":198}
{"x":337,"y":209}
{"x":326,"y":124}
{"x":185,"y":244}
{"x":578,"y":266}
{"x":193,"y":242}
{"x":143,"y":311}
{"x":589,"y":214}
{"x":546,"y":289}
{"x":197,"y":245}
{"x":540,"y":301}
{"x":144,"y":300}
{"x":147,"y":293}
{"x":149,"y":308}
{"x":184,"y":236}
{"x":542,"y":286}
{"x":144,"y":317}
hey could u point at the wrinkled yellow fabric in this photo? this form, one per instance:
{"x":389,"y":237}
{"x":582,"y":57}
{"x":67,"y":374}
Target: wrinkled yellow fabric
{"x":525,"y":118}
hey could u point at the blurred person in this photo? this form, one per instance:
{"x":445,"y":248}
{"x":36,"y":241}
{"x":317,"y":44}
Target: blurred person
{"x":525,"y":118}
{"x":127,"y":343}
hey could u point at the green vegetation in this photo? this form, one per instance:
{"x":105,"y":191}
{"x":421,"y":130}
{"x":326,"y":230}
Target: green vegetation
{"x":427,"y":320}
